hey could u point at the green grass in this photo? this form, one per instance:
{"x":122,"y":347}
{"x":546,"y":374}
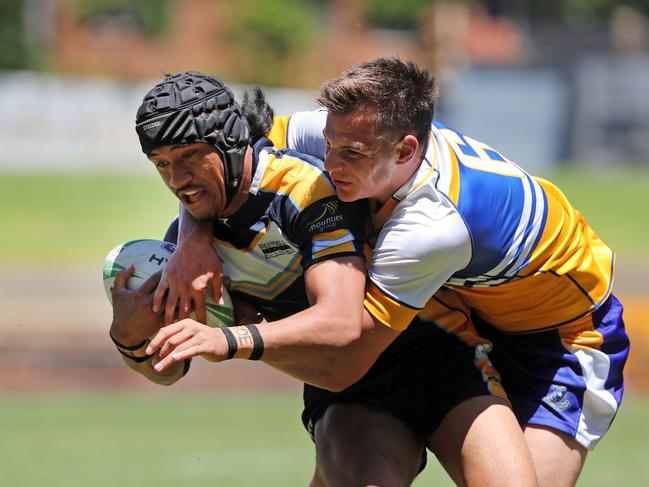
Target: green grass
{"x":62,"y":218}
{"x":73,"y":218}
{"x":171,"y":439}
{"x":614,"y":204}
{"x":163,"y":440}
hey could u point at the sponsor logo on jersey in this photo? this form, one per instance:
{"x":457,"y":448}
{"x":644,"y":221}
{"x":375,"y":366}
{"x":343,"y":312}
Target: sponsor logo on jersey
{"x":558,"y":398}
{"x":274,"y":248}
{"x":327,"y":219}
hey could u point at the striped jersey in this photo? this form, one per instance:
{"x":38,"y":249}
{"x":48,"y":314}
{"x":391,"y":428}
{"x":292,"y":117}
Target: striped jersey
{"x":471,"y":220}
{"x":290,"y":221}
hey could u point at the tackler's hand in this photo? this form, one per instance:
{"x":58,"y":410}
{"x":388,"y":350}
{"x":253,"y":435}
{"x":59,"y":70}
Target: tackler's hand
{"x":185,"y":280}
{"x":187,"y":339}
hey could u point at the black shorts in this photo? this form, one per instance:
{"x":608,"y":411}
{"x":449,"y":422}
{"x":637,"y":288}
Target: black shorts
{"x":418,"y":379}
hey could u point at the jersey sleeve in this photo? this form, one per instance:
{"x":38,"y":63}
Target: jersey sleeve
{"x":301,"y":131}
{"x":418,"y":249}
{"x":329,"y":228}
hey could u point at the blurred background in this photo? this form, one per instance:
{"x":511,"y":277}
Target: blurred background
{"x":558,"y":86}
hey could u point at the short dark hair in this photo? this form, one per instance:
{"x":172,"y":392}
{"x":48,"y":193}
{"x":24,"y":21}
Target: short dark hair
{"x":401,"y":95}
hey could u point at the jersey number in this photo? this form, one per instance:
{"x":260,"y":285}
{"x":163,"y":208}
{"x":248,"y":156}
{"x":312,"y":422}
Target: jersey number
{"x":476,"y":155}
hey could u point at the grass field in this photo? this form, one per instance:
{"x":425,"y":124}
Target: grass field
{"x":108,"y":440}
{"x":615,"y":204}
{"x":113,"y":439}
{"x":72,"y":218}
{"x":63,"y":218}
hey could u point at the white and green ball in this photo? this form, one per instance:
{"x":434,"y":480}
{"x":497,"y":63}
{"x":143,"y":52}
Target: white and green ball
{"x":148,"y":257}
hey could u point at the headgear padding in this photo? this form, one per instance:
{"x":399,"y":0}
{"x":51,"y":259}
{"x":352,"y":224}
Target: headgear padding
{"x":192,"y":107}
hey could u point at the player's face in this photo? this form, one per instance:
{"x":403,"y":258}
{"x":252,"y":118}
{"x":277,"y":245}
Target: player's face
{"x":360,"y":160}
{"x":194,"y":173}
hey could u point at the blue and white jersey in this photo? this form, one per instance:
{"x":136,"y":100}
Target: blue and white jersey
{"x":504,"y":209}
{"x":535,"y":276}
{"x":470,"y":219}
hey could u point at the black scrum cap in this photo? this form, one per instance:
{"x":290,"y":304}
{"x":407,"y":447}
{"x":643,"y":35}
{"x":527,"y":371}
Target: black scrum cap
{"x":192,"y":107}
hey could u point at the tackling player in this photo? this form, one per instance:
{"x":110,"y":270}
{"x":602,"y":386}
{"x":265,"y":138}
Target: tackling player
{"x":288,"y":244}
{"x":452,"y":211}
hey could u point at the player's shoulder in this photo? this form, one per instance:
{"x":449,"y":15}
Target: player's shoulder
{"x":427,"y":228}
{"x":447,"y":132}
{"x":295,"y":178}
{"x":300,"y":131}
{"x":305,"y":169}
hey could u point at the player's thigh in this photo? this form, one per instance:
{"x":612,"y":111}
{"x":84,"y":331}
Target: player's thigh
{"x":568,"y":379}
{"x":558,"y":458}
{"x":357,"y":444}
{"x":479,"y":442}
{"x":417,"y":380}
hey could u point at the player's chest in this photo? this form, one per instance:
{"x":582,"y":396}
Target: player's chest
{"x":265,"y":266}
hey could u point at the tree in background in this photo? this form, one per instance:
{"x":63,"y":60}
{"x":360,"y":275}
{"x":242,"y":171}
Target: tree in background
{"x":150,"y":17}
{"x":566,"y":13}
{"x":270,"y":42}
{"x":268,"y":34}
{"x":13,"y":48}
{"x":404,"y":14}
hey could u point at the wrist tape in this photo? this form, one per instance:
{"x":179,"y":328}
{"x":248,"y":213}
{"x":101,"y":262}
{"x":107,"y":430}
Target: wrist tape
{"x":245,"y":335}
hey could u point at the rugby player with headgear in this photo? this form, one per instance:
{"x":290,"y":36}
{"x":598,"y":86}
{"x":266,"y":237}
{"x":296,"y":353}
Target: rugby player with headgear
{"x":277,"y":221}
{"x":294,"y":252}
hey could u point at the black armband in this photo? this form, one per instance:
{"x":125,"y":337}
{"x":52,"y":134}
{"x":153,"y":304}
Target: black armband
{"x":134,"y":358}
{"x":134,"y":352}
{"x":232,"y":342}
{"x":128,"y":348}
{"x":257,"y":342}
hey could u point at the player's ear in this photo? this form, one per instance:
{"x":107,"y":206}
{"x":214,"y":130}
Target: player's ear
{"x":407,"y":149}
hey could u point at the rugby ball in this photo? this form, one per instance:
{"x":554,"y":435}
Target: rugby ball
{"x":148,"y":257}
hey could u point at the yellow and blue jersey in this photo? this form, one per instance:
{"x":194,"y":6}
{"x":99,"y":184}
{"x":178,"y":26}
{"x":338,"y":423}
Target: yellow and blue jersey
{"x":501,"y":260}
{"x":470,"y":219}
{"x":528,"y":242}
{"x":509,"y":243}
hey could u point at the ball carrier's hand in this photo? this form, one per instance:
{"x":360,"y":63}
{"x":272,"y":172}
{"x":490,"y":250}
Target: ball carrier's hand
{"x":133,"y":321}
{"x":188,"y":338}
{"x":134,"y":324}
